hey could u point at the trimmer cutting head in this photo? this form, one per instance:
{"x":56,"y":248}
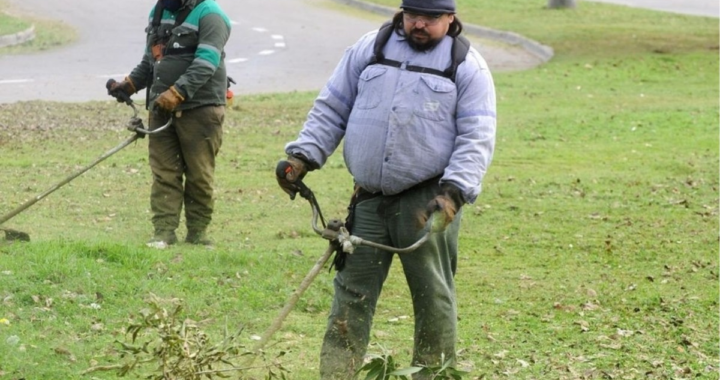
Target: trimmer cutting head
{"x":15,"y":235}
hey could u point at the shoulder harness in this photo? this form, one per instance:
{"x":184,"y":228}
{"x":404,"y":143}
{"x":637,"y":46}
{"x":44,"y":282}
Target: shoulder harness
{"x":460,"y":49}
{"x":181,"y":16}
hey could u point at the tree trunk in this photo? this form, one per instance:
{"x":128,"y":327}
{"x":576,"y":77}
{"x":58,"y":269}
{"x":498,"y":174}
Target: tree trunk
{"x":554,"y":4}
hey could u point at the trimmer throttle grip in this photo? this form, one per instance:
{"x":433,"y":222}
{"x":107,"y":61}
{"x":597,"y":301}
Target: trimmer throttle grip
{"x":118,"y":93}
{"x":283,"y":169}
{"x":285,"y":173}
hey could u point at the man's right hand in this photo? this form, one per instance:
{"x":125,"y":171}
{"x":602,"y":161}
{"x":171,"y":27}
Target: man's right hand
{"x":288,"y":173}
{"x":121,"y":90}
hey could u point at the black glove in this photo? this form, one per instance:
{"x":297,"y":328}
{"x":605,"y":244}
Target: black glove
{"x":447,"y":203}
{"x":289,"y":172}
{"x":121,"y":90}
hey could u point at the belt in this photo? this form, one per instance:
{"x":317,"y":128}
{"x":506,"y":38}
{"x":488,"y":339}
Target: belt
{"x":362,"y":194}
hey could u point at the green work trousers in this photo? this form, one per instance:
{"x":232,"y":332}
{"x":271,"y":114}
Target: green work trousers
{"x":187,"y":148}
{"x":429,"y":272}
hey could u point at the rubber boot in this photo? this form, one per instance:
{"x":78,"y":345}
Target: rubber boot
{"x":162,"y":239}
{"x":198,"y":237}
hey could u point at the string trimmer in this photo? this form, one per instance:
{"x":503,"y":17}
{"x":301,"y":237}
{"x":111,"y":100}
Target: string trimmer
{"x":338,"y":236}
{"x":135,"y":125}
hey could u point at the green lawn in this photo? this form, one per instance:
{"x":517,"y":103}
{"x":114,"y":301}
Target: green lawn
{"x":10,"y":25}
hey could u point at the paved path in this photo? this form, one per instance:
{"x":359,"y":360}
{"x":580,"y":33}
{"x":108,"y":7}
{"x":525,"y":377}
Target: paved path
{"x":275,"y":46}
{"x":708,"y":8}
{"x":264,"y":52}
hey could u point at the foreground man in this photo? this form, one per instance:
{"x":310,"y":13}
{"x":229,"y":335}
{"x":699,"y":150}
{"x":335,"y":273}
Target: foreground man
{"x":416,"y":107}
{"x":184,"y":71}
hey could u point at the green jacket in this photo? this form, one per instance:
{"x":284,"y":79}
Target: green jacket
{"x":199,"y":75}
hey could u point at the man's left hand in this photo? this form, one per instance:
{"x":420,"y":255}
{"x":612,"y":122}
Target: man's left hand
{"x":169,"y":99}
{"x":443,"y":207}
{"x":446,"y":210}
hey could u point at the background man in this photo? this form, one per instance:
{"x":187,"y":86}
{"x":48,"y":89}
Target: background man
{"x":419,"y":135}
{"x":183,"y":68}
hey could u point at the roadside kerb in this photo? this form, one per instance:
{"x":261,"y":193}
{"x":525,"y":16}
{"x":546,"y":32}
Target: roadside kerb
{"x":543,"y":52}
{"x":17,"y":38}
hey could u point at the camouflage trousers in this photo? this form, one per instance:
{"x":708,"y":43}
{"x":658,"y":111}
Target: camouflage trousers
{"x":429,"y":272}
{"x":182,"y":160}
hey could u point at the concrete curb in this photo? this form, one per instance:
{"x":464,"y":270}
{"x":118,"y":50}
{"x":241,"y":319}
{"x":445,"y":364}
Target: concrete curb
{"x":17,"y":38}
{"x":543,"y":52}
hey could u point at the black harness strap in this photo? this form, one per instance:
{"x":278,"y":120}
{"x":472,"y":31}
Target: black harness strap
{"x":157,"y":14}
{"x":381,"y":40}
{"x":460,"y":48}
{"x":427,"y":70}
{"x":181,"y":16}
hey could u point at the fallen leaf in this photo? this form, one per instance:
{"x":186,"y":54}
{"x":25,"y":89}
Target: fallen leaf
{"x":614,"y":346}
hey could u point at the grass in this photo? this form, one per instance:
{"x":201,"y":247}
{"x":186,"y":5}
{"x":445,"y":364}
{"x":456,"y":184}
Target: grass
{"x":592,"y":252}
{"x":49,"y":34}
{"x":593,"y":30}
{"x":10,"y":25}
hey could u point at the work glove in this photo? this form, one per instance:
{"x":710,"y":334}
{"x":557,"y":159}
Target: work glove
{"x":443,"y":207}
{"x":169,"y":99}
{"x":121,"y":90}
{"x":289,"y":172}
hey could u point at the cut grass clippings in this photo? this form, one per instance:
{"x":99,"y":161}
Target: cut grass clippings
{"x":592,"y":252}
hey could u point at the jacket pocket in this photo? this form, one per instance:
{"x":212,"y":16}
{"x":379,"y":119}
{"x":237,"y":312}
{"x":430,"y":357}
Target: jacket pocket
{"x":370,"y":87}
{"x":436,"y":98}
{"x":183,"y":37}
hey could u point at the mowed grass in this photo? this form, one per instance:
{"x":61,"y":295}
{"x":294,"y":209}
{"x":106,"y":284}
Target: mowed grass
{"x":592,"y":252}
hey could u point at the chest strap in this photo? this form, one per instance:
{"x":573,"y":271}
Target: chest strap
{"x":460,"y":48}
{"x":418,"y":69}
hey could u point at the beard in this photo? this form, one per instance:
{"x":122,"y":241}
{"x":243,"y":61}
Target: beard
{"x":420,"y":40}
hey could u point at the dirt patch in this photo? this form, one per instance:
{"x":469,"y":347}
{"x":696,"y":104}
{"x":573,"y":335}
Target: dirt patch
{"x":502,"y":57}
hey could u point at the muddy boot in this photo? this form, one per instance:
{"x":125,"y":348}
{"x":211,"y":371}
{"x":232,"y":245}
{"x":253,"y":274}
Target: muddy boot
{"x":162,"y":239}
{"x":198,"y":237}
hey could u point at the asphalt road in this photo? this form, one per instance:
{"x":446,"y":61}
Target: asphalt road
{"x":708,"y":8}
{"x":271,"y":41}
{"x":275,"y":46}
